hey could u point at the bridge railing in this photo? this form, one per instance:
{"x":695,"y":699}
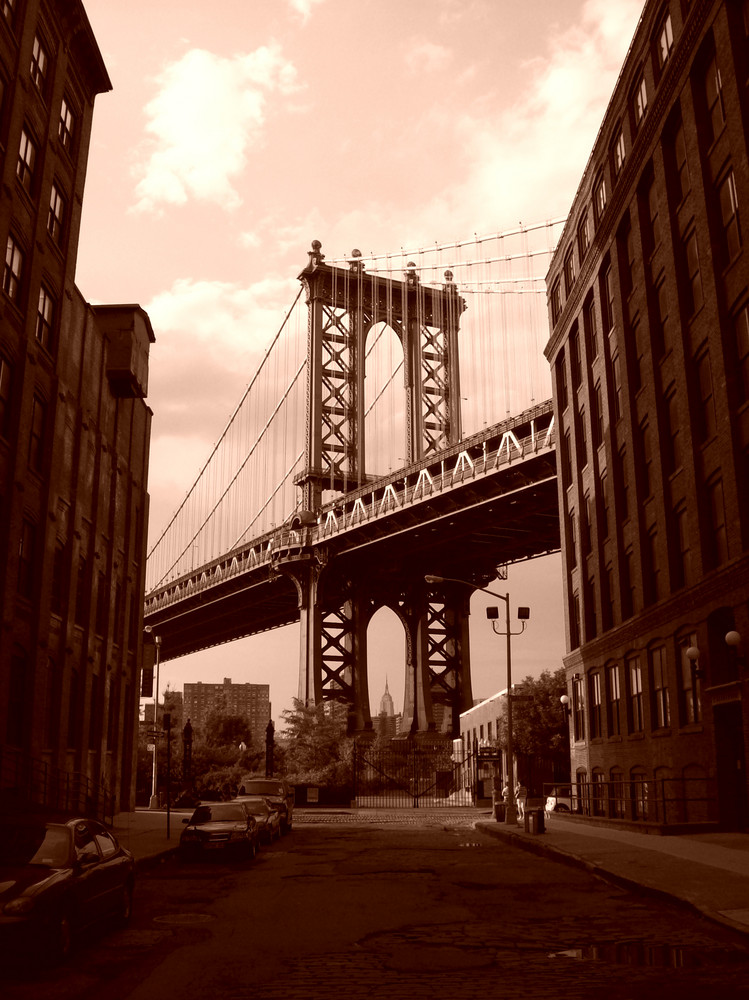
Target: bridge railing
{"x":482,"y":454}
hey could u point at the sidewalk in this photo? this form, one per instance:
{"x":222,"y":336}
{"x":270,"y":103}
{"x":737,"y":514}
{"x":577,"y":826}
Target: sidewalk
{"x":708,"y":872}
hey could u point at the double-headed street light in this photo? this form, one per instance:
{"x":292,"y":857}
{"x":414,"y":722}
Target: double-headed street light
{"x":493,"y":614}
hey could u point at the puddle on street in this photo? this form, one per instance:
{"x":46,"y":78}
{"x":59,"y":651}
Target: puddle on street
{"x":645,"y":954}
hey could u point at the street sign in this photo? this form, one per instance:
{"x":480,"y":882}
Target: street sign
{"x":150,"y":747}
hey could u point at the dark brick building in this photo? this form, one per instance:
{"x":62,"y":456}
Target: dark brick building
{"x":74,"y":440}
{"x":251,"y":701}
{"x":649,"y":310}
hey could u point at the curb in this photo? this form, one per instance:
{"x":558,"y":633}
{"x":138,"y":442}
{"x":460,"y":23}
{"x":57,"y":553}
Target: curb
{"x":536,"y":846}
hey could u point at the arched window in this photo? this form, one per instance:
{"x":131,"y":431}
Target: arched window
{"x":639,"y":792}
{"x":617,"y":802}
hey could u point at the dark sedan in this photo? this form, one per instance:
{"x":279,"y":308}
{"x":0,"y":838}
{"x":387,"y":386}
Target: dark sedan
{"x":219,"y":828}
{"x":56,"y":878}
{"x":266,"y":814}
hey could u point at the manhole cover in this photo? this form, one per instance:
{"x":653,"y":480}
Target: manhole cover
{"x":184,"y":918}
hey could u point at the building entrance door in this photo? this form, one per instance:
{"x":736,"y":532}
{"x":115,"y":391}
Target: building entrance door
{"x":730,"y":759}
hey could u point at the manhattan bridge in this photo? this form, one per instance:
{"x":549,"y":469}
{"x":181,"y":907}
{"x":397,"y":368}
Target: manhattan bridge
{"x":399,"y":424}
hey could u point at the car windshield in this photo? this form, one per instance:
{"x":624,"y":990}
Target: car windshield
{"x":220,"y":811}
{"x":35,"y":844}
{"x":257,"y":807}
{"x":263,"y":788}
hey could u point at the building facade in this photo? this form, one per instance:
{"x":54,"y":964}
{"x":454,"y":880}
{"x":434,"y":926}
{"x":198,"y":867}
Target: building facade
{"x":250,"y":701}
{"x":649,"y":311}
{"x":74,"y":441}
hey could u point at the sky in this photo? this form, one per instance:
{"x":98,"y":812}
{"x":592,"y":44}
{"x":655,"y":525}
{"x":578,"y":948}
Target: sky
{"x":239,"y":131}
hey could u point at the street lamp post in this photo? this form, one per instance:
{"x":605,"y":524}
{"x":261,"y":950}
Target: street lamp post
{"x":492,"y":614}
{"x":154,"y":803}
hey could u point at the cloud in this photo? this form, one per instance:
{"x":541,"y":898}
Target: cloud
{"x":304,"y":8}
{"x":427,"y":57}
{"x":208,"y":113}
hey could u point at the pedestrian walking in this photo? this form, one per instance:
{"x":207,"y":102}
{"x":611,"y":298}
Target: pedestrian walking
{"x":521,"y":796}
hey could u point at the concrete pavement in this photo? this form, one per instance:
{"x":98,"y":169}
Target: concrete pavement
{"x":708,"y":872}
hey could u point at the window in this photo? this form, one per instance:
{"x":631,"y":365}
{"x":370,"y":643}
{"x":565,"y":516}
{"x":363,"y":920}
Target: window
{"x":561,"y":381}
{"x":586,"y":521}
{"x":13,"y":272}
{"x":9,"y":10}
{"x":599,"y":197}
{"x":569,"y":271}
{"x":39,"y":65}
{"x":58,"y":579}
{"x":37,"y":435}
{"x":646,"y":455}
{"x":613,"y":700}
{"x":672,"y":449}
{"x":26,"y":550}
{"x":659,"y":673}
{"x":693,"y":287}
{"x":583,"y":237}
{"x":607,"y":597}
{"x":582,"y":440}
{"x":682,"y":573}
{"x":591,"y":621}
{"x":716,"y":112}
{"x":26,"y":163}
{"x":575,"y":360}
{"x":640,"y":102}
{"x":556,"y":300}
{"x":634,"y":680}
{"x":616,"y":373}
{"x":66,"y":125}
{"x":572,"y":554}
{"x":689,"y":686}
{"x":617,"y":801}
{"x":607,"y":299}
{"x":17,"y":701}
{"x":729,"y":214}
{"x":662,"y":326}
{"x":45,"y":318}
{"x":566,"y":459}
{"x":680,"y":163}
{"x":56,"y":214}
{"x":81,"y":603}
{"x":578,"y":708}
{"x":718,"y":537}
{"x":591,"y":329}
{"x":628,"y":585}
{"x":741,"y":334}
{"x":654,"y":217}
{"x":102,"y":606}
{"x":597,"y":415}
{"x":665,"y":41}
{"x":706,"y":424}
{"x":6,"y":387}
{"x":603,"y":516}
{"x":618,"y":153}
{"x":652,"y":581}
{"x":575,"y":621}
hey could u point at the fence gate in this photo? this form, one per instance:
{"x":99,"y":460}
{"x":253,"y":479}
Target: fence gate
{"x":412,"y":774}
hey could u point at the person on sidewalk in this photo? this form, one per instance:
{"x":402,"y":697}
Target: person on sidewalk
{"x":521,"y":797}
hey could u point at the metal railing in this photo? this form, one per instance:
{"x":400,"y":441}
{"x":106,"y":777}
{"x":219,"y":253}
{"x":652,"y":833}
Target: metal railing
{"x":29,"y":783}
{"x":661,"y":801}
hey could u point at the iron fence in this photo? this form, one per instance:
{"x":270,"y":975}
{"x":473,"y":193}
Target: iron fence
{"x":662,"y":801}
{"x":412,"y":775}
{"x":26,"y":782}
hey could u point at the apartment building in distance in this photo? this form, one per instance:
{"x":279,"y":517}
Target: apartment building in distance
{"x":251,"y":701}
{"x":74,"y":442}
{"x":649,"y":310}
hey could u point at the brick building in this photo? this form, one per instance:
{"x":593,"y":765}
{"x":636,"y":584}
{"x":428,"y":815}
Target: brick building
{"x":251,"y":701}
{"x":649,"y":310}
{"x":74,"y":441}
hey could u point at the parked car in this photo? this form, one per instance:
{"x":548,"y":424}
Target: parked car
{"x":267,"y":816}
{"x":219,"y":828}
{"x":559,"y":799}
{"x":276,"y":790}
{"x":57,"y":878}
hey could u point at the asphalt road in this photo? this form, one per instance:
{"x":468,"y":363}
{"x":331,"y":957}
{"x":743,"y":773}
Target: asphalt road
{"x":361,"y":913}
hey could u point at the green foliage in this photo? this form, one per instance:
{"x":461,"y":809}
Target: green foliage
{"x":539,"y":724}
{"x":315,"y":745}
{"x":224,"y":730}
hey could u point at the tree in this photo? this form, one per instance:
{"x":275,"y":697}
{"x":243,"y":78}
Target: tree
{"x":316,"y":747}
{"x":539,"y":724}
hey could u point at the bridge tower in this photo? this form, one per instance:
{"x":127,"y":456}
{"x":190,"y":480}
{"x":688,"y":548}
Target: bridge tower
{"x":336,"y":605}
